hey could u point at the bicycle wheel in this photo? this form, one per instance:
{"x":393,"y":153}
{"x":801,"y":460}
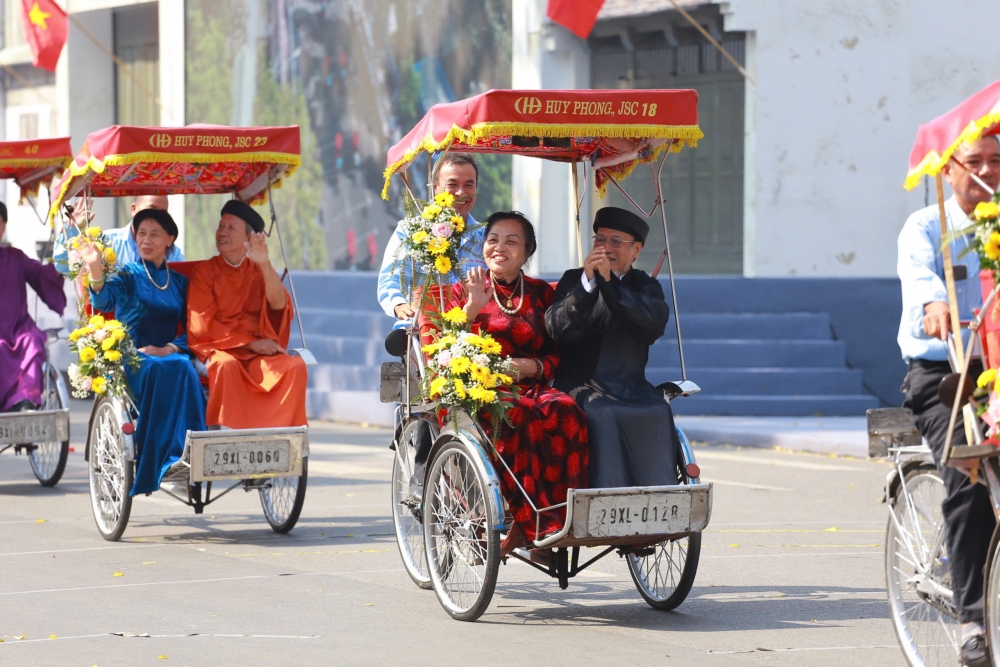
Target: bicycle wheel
{"x":991,"y":599}
{"x":463,"y":547}
{"x":282,"y":498}
{"x":48,"y":459}
{"x":664,"y":573}
{"x":407,"y":506}
{"x":111,"y":476}
{"x":918,"y":579}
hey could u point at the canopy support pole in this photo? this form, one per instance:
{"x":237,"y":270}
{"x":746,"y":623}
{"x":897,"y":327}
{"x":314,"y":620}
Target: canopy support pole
{"x":670,"y":266}
{"x":978,"y":180}
{"x":578,"y":202}
{"x":949,"y":273}
{"x":304,"y":352}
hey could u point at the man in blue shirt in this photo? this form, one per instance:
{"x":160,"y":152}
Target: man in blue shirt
{"x":120,"y":238}
{"x":923,"y":330}
{"x":458,"y":174}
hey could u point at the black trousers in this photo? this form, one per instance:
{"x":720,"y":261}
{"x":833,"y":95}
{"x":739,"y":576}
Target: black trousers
{"x":968,"y":513}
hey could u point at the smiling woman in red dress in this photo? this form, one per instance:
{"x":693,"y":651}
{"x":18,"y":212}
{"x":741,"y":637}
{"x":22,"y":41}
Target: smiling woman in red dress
{"x":545,"y":445}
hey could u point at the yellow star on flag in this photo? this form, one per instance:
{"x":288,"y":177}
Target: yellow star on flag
{"x":37,"y":16}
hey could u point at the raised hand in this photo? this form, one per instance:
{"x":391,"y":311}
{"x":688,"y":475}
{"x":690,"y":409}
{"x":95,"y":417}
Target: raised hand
{"x":597,"y":261}
{"x":80,"y":216}
{"x":256,"y":248}
{"x":480,"y":291}
{"x":91,"y":255}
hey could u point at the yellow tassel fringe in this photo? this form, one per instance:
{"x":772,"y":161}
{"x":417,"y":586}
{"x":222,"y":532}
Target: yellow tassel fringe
{"x":932,"y":162}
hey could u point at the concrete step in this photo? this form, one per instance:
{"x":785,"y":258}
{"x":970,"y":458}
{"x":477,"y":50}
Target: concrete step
{"x":772,"y":406}
{"x":745,"y":326}
{"x":346,"y":350}
{"x":337,"y":322}
{"x":765,"y":381}
{"x":749,"y":353}
{"x":343,"y":290}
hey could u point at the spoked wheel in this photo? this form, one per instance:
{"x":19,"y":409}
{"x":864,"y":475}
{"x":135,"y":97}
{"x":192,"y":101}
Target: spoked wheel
{"x":665,"y":572}
{"x":111,"y":475}
{"x":48,"y":459}
{"x":407,"y":504}
{"x":992,"y":598}
{"x":282,"y":498}
{"x":918,"y":579}
{"x":463,"y":547}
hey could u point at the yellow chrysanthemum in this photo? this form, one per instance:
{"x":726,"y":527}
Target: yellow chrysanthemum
{"x":93,"y":232}
{"x":460,"y":388}
{"x":986,"y":378}
{"x":431,"y":211}
{"x":986,"y":210}
{"x":431,"y":348}
{"x":992,"y":247}
{"x":99,"y":385}
{"x":110,"y":256}
{"x":460,"y":364}
{"x":113,"y":324}
{"x":86,"y":281}
{"x":76,"y":334}
{"x":456,"y":316}
{"x":118,"y":335}
{"x":442,"y":264}
{"x":419,"y":236}
{"x":458,"y":223}
{"x":88,"y":354}
{"x":112,"y":355}
{"x":97,"y":321}
{"x":437,"y":386}
{"x":481,"y":395}
{"x":480,"y":374}
{"x":99,"y":246}
{"x":447,"y":340}
{"x":503,"y":379}
{"x":444,"y":199}
{"x":490,"y":346}
{"x":438,"y":246}
{"x":108,"y":343}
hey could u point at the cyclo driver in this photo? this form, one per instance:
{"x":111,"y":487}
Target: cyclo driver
{"x":968,"y":513}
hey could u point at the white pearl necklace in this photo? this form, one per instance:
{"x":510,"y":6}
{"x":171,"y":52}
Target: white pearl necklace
{"x":496,"y":298}
{"x":150,"y":276}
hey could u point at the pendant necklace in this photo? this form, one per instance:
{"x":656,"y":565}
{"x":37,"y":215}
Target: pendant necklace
{"x":509,"y":297}
{"x":150,"y":276}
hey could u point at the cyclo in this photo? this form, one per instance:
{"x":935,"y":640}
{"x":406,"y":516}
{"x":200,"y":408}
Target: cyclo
{"x":447,"y":502}
{"x":123,"y":161}
{"x":43,"y":434}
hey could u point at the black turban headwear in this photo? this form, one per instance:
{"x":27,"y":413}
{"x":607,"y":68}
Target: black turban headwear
{"x":244,"y":213}
{"x":162,"y":217}
{"x":623,"y":221}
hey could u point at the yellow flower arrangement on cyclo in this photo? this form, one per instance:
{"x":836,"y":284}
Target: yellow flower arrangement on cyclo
{"x":465,"y":370}
{"x":434,"y":233}
{"x":78,"y":271}
{"x":105,"y":349}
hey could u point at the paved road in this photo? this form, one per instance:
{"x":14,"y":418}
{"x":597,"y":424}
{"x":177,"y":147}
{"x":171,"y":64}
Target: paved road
{"x":791,"y":574}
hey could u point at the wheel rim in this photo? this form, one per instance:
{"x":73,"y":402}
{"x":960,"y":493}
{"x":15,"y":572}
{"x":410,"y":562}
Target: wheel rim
{"x":44,"y":456}
{"x":457,"y":531}
{"x":918,"y":581}
{"x":278,"y":498}
{"x":107,"y":470}
{"x":408,"y":522}
{"x":992,"y":603}
{"x":659,"y":573}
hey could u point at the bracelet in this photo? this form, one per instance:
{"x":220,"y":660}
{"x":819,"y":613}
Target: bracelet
{"x":99,"y":281}
{"x":541,"y":368}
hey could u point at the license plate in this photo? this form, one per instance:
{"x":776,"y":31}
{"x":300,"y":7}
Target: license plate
{"x":639,"y":514}
{"x":247,"y":458}
{"x":28,"y":429}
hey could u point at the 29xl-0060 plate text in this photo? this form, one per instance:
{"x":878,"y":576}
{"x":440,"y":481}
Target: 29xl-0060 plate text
{"x":247,"y":458}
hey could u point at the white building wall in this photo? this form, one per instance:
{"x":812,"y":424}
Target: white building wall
{"x":841,"y":89}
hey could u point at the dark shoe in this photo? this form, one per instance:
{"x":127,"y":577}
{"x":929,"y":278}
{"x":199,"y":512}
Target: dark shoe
{"x":24,"y":406}
{"x":973,"y":653}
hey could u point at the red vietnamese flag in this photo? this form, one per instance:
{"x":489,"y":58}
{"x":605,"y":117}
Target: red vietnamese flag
{"x":578,"y":16}
{"x":45,"y":28}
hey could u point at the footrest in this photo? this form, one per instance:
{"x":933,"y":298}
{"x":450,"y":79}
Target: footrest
{"x":246,"y":453}
{"x":964,"y":452}
{"x":28,"y":428}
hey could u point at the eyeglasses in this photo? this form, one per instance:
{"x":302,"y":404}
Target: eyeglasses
{"x":614,"y":241}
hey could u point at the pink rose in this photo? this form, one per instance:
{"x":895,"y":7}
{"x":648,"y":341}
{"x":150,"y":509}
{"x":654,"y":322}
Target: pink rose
{"x":74,"y":257}
{"x":442,"y":229}
{"x":444,"y":358}
{"x":100,"y":335}
{"x":86,"y":384}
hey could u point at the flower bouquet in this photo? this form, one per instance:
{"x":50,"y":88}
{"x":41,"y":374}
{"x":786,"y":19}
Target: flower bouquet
{"x":465,"y":370}
{"x":434,"y":234}
{"x":105,"y":349}
{"x":79,"y":273}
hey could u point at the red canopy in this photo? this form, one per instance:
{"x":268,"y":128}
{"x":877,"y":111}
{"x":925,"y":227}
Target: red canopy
{"x":35,"y":162}
{"x":938,"y":139}
{"x":123,"y":161}
{"x":613,"y":129}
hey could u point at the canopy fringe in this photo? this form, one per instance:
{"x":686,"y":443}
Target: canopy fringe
{"x":933,"y":162}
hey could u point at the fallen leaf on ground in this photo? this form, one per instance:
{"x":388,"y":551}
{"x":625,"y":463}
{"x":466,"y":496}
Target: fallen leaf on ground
{"x":119,"y":574}
{"x":148,"y":562}
{"x":369,"y":604}
{"x":21,"y":637}
{"x":162,"y":657}
{"x":53,"y":637}
{"x":735,"y":544}
{"x":40,"y":520}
